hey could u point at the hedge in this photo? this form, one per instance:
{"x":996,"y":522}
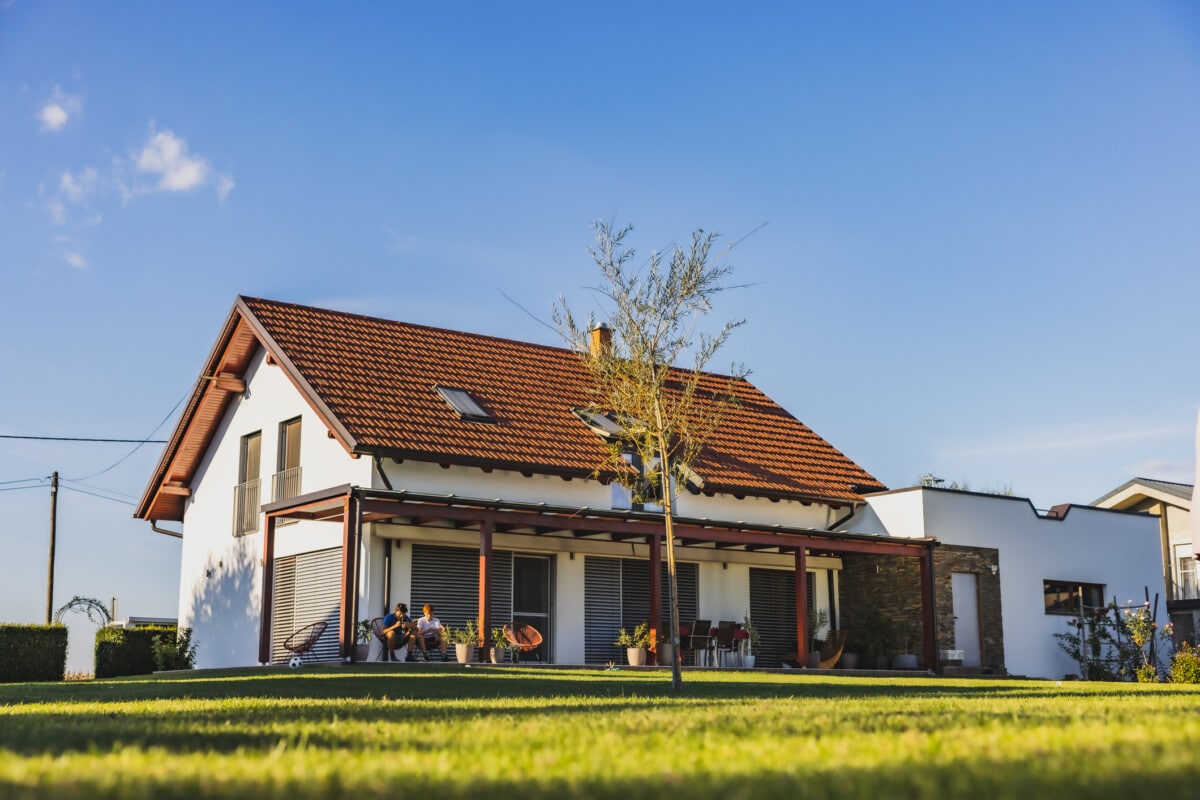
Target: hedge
{"x":32,"y":653}
{"x":128,"y":651}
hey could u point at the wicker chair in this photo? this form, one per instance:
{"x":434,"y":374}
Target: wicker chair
{"x":301,"y":643}
{"x":524,"y":639}
{"x":831,"y":648}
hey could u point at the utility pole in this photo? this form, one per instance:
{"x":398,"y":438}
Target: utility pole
{"x":53,"y":524}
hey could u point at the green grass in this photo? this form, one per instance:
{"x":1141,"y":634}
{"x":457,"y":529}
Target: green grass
{"x":516,"y":732}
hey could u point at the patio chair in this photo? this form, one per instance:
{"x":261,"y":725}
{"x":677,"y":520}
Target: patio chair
{"x":524,"y":639}
{"x":723,"y":643}
{"x":301,"y":643}
{"x":377,"y":629}
{"x":698,"y":641}
{"x":831,"y":648}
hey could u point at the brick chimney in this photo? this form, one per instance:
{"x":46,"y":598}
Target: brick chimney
{"x":601,"y":339}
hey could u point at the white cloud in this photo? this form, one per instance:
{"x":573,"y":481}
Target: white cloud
{"x":75,"y":259}
{"x":77,"y":187}
{"x":57,"y":111}
{"x":225,"y":185}
{"x":166,"y":156}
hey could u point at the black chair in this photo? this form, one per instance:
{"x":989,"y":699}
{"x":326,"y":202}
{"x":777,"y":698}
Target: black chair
{"x":698,"y":641}
{"x":723,"y":643}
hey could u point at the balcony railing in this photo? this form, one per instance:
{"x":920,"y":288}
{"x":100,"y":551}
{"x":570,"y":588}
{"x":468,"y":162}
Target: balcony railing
{"x":246,"y":500}
{"x":1186,"y":587}
{"x":285,"y":485}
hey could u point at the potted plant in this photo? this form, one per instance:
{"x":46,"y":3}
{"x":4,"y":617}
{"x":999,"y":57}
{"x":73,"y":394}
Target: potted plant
{"x":818,"y":618}
{"x":749,"y":641}
{"x":902,"y":636}
{"x":635,"y":643}
{"x":499,"y":645}
{"x":849,"y":658}
{"x":874,"y":632}
{"x":465,"y":639}
{"x":364,"y":632}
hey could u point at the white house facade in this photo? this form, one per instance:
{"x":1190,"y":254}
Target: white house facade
{"x":1044,"y":564}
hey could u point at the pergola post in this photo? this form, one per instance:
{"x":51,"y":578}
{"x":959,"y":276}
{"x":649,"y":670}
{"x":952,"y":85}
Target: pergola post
{"x":656,"y":594}
{"x":801,"y":606}
{"x":351,"y":527}
{"x":485,"y":585}
{"x":268,"y":590}
{"x":928,"y":610}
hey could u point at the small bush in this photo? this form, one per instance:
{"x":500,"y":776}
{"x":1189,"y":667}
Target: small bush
{"x":1185,"y":666}
{"x":128,"y":651}
{"x":32,"y":653}
{"x":174,"y":652}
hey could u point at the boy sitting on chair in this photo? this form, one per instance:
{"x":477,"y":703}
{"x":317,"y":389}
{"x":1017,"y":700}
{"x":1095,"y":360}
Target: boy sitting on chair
{"x":398,"y":631}
{"x":431,"y":632}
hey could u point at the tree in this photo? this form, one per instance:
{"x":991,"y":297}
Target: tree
{"x":664,"y":413}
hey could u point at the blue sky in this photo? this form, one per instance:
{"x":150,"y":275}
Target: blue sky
{"x":979,"y":257}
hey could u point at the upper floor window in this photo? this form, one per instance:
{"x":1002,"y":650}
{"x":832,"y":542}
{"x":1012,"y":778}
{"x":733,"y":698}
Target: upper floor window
{"x":1185,"y":574}
{"x":1071,"y":597}
{"x":247,"y":494}
{"x":286,"y":482}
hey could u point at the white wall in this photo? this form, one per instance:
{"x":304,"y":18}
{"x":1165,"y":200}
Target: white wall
{"x":220,"y":589}
{"x":1117,"y":549}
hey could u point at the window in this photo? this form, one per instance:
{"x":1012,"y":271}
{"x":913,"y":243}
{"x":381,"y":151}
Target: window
{"x":1065,"y":597}
{"x":247,"y":493}
{"x":602,"y":424}
{"x":1185,"y":574}
{"x":462,"y":402}
{"x":285,"y":483}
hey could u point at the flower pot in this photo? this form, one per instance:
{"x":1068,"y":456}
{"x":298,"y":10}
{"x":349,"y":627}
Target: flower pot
{"x":904,"y":661}
{"x":664,"y":655}
{"x":465,"y":653}
{"x":497,"y":655}
{"x":636,"y":656}
{"x":748,"y":661}
{"x":849,"y":661}
{"x":814,"y":660}
{"x":361,"y":652}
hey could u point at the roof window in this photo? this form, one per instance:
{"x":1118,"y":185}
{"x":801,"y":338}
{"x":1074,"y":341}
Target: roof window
{"x":601,"y":423}
{"x":462,"y":402}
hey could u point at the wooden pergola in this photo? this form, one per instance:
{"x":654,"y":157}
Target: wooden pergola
{"x":353,"y":506}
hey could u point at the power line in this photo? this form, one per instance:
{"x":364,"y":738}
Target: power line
{"x":102,"y":497}
{"x":24,"y":480}
{"x":147,"y":440}
{"x":83,"y":439}
{"x":19,"y":488}
{"x":98,"y":488}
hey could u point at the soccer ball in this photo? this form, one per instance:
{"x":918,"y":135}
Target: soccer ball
{"x":295,"y":662}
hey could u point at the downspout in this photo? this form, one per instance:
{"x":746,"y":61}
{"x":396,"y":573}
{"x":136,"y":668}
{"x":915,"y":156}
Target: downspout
{"x":154,"y":527}
{"x":851,"y":513}
{"x":387,"y":545}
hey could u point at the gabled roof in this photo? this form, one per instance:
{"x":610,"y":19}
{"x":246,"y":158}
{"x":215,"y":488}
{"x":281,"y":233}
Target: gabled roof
{"x":1136,"y":490}
{"x":373,"y":381}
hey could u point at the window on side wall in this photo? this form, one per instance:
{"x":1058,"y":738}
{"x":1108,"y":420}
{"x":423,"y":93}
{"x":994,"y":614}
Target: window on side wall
{"x":1070,"y":597}
{"x":246,"y":494}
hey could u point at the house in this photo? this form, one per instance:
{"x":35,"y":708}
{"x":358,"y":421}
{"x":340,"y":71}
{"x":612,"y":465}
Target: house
{"x":1008,"y":577}
{"x":328,"y":465}
{"x":1171,"y":503}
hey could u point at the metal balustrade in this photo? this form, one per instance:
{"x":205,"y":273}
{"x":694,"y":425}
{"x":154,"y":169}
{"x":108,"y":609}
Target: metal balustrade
{"x":246,"y":503}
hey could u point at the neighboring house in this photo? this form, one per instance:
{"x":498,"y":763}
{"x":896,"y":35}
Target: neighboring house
{"x":1172,"y":504}
{"x":328,"y":465}
{"x":1009,"y":577}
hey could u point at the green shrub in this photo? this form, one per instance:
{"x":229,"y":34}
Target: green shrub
{"x":174,"y":652}
{"x":128,"y":651}
{"x":32,"y":653}
{"x":1185,"y":666}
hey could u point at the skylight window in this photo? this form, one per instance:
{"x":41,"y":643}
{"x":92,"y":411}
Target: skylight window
{"x":602,"y":424}
{"x":462,"y":402}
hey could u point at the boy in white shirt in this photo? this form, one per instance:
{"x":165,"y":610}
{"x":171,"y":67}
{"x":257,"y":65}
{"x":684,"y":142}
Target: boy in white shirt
{"x":431,"y":632}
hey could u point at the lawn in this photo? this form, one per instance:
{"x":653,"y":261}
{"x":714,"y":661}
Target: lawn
{"x":529,"y":732}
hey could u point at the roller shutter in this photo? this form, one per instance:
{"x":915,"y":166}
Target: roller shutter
{"x":307,"y":589}
{"x":773,"y":610}
{"x":448,"y":577}
{"x":617,"y":595}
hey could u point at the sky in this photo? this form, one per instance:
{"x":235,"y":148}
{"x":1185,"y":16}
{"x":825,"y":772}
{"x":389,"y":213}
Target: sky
{"x":967,"y":232}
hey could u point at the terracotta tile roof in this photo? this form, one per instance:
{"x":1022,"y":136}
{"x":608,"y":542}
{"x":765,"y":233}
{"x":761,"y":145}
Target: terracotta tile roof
{"x":376,"y":378}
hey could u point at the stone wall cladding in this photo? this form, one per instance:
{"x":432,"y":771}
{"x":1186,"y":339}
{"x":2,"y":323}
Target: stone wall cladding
{"x":892,"y":585}
{"x":948,"y":559}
